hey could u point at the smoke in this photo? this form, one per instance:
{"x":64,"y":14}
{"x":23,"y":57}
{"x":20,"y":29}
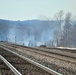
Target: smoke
{"x":24,"y":32}
{"x":4,"y":29}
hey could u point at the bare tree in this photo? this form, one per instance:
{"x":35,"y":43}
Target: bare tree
{"x":67,"y":30}
{"x":58,"y":31}
{"x":46,"y":25}
{"x":59,"y":15}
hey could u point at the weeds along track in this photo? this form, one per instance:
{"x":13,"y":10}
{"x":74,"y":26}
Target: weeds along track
{"x":24,"y":65}
{"x":64,"y":60}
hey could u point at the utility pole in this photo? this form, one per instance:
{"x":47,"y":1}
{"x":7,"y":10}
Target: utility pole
{"x":29,"y":43}
{"x":15,"y":39}
{"x":6,"y":39}
{"x":23,"y":44}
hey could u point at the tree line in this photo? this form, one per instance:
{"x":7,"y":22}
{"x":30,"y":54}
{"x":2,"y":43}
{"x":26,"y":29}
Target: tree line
{"x":65,"y":34}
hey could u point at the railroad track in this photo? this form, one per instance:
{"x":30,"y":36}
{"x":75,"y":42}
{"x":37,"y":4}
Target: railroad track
{"x":72,"y":50}
{"x":59,"y":51}
{"x":47,"y":50}
{"x":21,"y":65}
{"x":12,"y":68}
{"x":62,"y":60}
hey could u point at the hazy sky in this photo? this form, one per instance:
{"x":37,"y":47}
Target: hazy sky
{"x":32,"y":9}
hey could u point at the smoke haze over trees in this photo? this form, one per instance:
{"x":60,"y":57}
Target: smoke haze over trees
{"x":58,"y":32}
{"x":25,"y":31}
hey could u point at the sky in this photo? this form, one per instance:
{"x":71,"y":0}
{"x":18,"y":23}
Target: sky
{"x":34,"y":9}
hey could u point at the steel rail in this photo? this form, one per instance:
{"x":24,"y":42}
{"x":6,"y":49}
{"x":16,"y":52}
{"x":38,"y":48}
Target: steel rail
{"x":14,"y":70}
{"x":42,"y":49}
{"x":33,"y":62}
{"x":35,"y":49}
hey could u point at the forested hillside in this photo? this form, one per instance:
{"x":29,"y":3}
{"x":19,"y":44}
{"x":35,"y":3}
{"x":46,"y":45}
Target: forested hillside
{"x":58,"y":32}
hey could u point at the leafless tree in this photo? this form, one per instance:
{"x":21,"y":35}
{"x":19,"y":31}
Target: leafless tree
{"x":58,"y":31}
{"x":67,"y":30}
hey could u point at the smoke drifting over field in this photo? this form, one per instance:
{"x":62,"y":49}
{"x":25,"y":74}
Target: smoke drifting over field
{"x":35,"y":32}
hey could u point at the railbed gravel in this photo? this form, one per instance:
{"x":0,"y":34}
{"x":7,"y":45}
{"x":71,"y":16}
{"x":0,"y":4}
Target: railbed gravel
{"x":61,"y":70}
